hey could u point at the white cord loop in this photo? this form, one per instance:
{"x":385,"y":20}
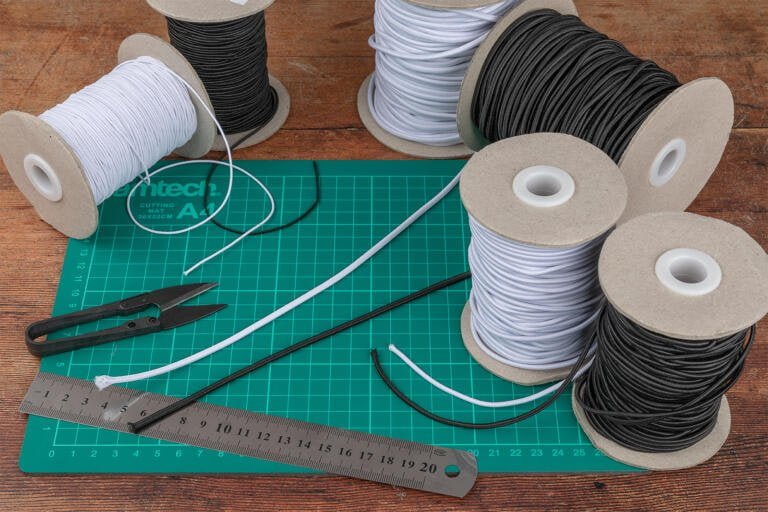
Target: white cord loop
{"x":422,"y":55}
{"x":126,"y":122}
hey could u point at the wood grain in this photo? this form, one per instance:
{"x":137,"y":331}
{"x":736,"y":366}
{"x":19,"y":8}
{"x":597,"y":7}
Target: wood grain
{"x":318,"y":49}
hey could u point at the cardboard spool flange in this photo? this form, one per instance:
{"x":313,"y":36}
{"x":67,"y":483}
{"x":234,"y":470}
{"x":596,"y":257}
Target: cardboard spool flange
{"x":266,"y":131}
{"x":33,"y":151}
{"x":682,"y":459}
{"x":208,"y":11}
{"x":700,"y":114}
{"x":400,"y":145}
{"x":628,"y":276}
{"x":138,"y":45}
{"x":487,"y":193}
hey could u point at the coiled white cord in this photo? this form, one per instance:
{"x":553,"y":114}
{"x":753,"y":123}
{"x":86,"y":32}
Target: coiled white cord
{"x":422,"y":55}
{"x":126,"y":122}
{"x":532,"y":307}
{"x":103,"y":381}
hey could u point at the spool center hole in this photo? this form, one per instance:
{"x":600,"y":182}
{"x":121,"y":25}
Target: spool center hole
{"x":669,"y":163}
{"x":42,"y":179}
{"x":688,"y":270}
{"x":543,"y":185}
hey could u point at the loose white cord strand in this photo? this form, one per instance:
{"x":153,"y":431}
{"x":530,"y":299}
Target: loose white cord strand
{"x":126,"y":122}
{"x":474,"y":401}
{"x":422,"y":55}
{"x":103,"y":381}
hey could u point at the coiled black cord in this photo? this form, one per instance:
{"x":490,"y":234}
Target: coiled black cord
{"x":231,"y":60}
{"x":549,"y":72}
{"x":653,"y":393}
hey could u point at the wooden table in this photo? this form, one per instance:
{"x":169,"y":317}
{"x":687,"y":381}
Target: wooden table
{"x":51,"y":48}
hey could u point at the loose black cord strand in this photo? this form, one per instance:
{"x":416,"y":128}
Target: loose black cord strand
{"x":656,"y":394}
{"x":177,"y":406}
{"x":481,"y":426}
{"x":231,"y":60}
{"x":550,"y":73}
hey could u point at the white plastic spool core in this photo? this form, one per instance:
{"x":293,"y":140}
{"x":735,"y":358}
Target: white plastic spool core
{"x":43,"y":177}
{"x":689,"y":272}
{"x":544,"y":186}
{"x":667,"y":162}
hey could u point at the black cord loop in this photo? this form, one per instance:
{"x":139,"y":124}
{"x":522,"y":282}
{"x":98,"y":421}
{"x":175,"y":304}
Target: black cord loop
{"x":231,"y":60}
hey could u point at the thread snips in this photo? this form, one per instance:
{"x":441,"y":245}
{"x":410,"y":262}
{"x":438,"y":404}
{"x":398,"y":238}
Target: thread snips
{"x":167,"y":300}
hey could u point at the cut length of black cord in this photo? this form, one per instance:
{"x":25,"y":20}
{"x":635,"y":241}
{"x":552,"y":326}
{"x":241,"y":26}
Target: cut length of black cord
{"x":583,"y":357}
{"x":231,"y":60}
{"x":551,"y":73}
{"x":177,"y":406}
{"x":656,"y":394}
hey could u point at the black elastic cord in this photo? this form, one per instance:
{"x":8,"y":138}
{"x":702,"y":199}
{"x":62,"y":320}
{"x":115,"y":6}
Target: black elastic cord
{"x":185,"y":402}
{"x":482,"y":426}
{"x":231,"y":60}
{"x":656,"y":394}
{"x":550,"y":73}
{"x":264,"y":231}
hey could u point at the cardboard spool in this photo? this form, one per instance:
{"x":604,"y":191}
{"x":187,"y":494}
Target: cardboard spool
{"x":571,"y":194}
{"x":208,"y":11}
{"x":673,"y":153}
{"x":49,"y":173}
{"x":219,"y":11}
{"x":687,"y":277}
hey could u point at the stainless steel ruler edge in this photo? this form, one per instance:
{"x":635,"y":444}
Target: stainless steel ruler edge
{"x":299,"y":443}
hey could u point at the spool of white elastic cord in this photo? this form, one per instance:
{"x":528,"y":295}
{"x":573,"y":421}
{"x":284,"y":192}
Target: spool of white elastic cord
{"x":531,"y":307}
{"x":421,"y":56}
{"x":121,"y":125}
{"x":540,"y":207}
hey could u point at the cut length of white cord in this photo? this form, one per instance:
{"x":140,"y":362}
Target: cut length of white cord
{"x":422,"y":55}
{"x":126,"y":122}
{"x":532,"y":306}
{"x":482,"y":403}
{"x":103,"y":381}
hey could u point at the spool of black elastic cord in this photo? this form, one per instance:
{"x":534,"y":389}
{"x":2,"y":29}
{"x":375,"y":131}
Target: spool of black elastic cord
{"x":551,"y":73}
{"x":543,"y":70}
{"x":657,"y":394}
{"x":231,"y":59}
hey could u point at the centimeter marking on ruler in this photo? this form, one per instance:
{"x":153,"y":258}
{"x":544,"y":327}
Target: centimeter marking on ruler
{"x":333,"y":450}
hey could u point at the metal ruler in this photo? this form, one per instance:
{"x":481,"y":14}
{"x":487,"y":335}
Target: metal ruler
{"x":332,"y":450}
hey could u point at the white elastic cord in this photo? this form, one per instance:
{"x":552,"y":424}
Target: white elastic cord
{"x":422,"y":55}
{"x":102,"y":381}
{"x":531,"y":306}
{"x":231,"y":244}
{"x":126,"y":122}
{"x":474,"y":401}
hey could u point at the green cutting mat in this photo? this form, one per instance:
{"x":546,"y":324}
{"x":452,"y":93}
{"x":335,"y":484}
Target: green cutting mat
{"x":333,"y":382}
